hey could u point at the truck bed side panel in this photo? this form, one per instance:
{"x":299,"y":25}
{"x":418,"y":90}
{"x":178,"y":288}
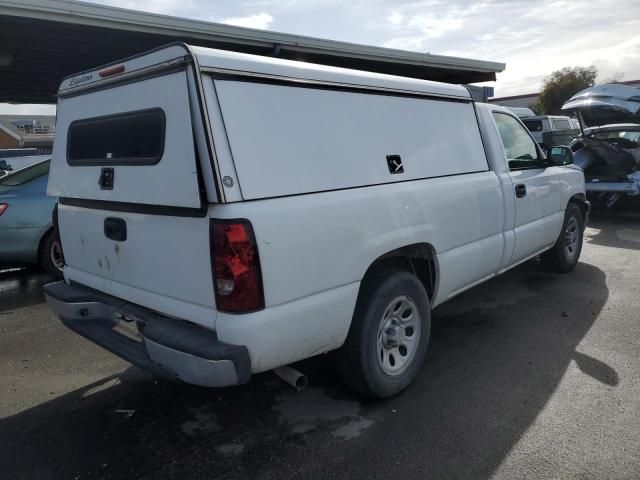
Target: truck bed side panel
{"x":288,"y":140}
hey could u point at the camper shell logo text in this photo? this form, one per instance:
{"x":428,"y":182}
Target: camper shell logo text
{"x":75,"y":81}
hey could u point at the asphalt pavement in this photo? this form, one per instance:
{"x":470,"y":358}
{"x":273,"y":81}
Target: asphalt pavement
{"x":530,"y":375}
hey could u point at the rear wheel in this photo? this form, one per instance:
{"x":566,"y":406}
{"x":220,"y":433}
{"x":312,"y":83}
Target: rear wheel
{"x":51,"y":255}
{"x":564,"y":254}
{"x":389,"y":335}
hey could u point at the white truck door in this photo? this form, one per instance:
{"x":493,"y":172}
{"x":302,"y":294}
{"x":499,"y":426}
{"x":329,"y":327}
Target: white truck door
{"x":537,"y":190}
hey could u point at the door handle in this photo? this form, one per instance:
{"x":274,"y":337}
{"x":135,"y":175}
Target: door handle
{"x":115,"y":229}
{"x":521,"y":190}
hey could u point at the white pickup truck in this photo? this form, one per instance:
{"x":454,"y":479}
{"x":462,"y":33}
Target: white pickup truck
{"x":224,"y":214}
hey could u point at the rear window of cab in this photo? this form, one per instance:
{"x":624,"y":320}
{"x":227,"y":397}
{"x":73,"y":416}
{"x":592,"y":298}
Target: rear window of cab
{"x":129,"y":138}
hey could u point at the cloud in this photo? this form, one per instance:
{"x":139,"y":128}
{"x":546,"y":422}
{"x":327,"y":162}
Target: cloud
{"x":413,"y":26}
{"x":260,"y":21}
{"x":395,"y":18}
{"x":532,"y":38}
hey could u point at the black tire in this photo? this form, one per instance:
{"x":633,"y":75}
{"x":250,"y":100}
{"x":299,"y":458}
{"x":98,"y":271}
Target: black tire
{"x":46,"y":261}
{"x":357,"y":359}
{"x":558,"y":258}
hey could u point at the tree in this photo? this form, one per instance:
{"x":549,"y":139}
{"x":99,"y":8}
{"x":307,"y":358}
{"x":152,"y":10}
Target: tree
{"x":537,"y":108}
{"x":615,"y":78}
{"x":561,"y":85}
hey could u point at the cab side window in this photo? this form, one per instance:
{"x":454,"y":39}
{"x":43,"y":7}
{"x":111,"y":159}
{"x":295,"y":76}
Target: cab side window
{"x":518,"y":145}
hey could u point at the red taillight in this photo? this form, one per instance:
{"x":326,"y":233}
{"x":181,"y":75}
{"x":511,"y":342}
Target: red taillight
{"x":56,"y":230}
{"x":236,"y":267}
{"x":108,"y":72}
{"x":3,"y":207}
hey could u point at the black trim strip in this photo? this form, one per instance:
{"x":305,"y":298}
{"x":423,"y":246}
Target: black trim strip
{"x":208,"y":131}
{"x":534,"y":167}
{"x":320,"y":85}
{"x":360,"y":186}
{"x":110,"y":206}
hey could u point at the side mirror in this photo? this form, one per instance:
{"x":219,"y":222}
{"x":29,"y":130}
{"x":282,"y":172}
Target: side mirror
{"x":559,"y":155}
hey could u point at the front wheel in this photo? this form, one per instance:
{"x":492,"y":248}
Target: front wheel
{"x":564,"y":254}
{"x":389,"y":335}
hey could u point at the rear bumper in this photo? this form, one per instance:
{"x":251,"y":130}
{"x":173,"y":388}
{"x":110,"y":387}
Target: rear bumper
{"x":173,"y":348}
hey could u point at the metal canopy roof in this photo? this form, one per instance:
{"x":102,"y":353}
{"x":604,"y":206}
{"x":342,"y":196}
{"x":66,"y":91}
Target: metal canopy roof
{"x":42,"y":41}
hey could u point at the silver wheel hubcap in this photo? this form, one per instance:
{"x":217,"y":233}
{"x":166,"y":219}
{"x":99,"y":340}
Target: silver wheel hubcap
{"x":398,"y":335}
{"x":56,"y":256}
{"x":571,"y":238}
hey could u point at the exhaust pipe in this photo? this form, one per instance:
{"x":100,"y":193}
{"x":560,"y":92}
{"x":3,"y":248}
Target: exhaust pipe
{"x":293,"y":377}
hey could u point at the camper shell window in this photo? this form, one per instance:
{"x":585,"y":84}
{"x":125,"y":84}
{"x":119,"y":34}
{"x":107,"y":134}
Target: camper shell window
{"x":561,"y":124}
{"x":533,"y":125}
{"x":130,"y":138}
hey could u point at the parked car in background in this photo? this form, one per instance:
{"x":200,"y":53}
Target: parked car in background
{"x":609,"y":149}
{"x":544,"y":126}
{"x":337,"y":208}
{"x":5,"y":168}
{"x":26,"y":233}
{"x":16,"y":162}
{"x":522,"y":112}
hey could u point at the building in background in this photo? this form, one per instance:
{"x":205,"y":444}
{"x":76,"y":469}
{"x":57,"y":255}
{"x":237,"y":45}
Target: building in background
{"x":519,"y":101}
{"x":27,"y":131}
{"x":481,"y":94}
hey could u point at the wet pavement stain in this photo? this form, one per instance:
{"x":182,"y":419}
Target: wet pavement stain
{"x":353,"y":429}
{"x":230,"y":449}
{"x":203,"y":422}
{"x":313,"y":408}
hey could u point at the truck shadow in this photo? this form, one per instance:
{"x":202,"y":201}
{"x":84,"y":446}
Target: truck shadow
{"x":497,"y":354}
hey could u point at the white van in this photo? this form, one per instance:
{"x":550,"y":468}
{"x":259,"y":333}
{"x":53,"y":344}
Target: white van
{"x":541,"y":126}
{"x":224,"y":214}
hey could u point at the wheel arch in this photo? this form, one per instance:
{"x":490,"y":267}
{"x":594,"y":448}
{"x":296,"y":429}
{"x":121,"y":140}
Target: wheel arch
{"x":419,"y":259}
{"x":580,"y":199}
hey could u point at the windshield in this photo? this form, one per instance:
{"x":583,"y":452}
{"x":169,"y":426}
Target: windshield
{"x":26,"y":174}
{"x":633,"y":136}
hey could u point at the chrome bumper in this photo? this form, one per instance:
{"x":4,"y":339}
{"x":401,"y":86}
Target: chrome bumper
{"x":173,"y":348}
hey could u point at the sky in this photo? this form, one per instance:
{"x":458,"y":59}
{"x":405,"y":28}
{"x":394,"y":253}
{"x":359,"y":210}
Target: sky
{"x":533,"y":37}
